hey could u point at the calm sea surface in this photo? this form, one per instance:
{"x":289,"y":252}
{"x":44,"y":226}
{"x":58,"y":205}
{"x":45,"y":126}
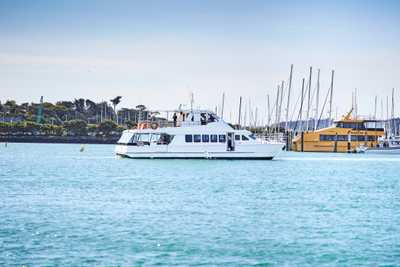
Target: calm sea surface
{"x":59,"y":206}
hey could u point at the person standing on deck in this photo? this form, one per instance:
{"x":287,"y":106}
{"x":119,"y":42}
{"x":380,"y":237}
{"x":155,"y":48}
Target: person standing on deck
{"x":175,"y":119}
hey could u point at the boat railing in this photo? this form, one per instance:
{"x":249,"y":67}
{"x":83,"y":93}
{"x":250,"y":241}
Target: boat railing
{"x":273,"y":137}
{"x":165,"y":123}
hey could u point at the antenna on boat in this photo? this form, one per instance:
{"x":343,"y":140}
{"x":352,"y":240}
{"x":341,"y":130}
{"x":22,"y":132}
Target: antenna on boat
{"x":331,"y":96}
{"x":191,"y":101}
{"x":222,"y":106}
{"x":288,"y":97}
{"x":317,"y":101}
{"x":309,"y":99}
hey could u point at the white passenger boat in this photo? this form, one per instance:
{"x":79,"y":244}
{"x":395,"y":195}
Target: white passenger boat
{"x":196,"y":134}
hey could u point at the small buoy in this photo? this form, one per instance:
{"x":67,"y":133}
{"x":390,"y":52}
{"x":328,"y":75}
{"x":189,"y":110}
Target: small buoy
{"x":82,"y":148}
{"x":5,"y":144}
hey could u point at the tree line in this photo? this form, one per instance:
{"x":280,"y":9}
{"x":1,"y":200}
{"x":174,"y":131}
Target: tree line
{"x":69,"y":128}
{"x":80,"y":117}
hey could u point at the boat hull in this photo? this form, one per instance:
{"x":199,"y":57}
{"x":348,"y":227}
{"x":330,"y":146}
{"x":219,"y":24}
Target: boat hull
{"x":265,"y":152}
{"x":230,"y":157}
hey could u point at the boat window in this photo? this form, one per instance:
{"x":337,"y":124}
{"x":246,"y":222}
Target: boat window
{"x":155,"y":137}
{"x":363,"y":138}
{"x":350,"y":125}
{"x":222,"y":138}
{"x":165,"y":139}
{"x":374,"y":125}
{"x":197,"y":138}
{"x":341,"y":138}
{"x":237,"y":137}
{"x":324,"y":137}
{"x":211,"y":118}
{"x":214,"y":138}
{"x":244,"y":138}
{"x":205,"y":138}
{"x":252,"y":136}
{"x":188,"y":138}
{"x":144,"y":137}
{"x":134,"y":139}
{"x":357,"y":138}
{"x":125,"y":138}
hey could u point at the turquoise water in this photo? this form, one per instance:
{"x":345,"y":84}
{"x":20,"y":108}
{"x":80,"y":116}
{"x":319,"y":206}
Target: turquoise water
{"x":59,"y":206}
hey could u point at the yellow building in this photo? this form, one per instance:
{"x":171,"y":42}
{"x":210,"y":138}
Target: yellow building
{"x":346,"y":135}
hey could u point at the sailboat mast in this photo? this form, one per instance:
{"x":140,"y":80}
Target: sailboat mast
{"x":288,"y":97}
{"x":331,"y":96}
{"x":280,"y":102}
{"x":277,"y":107}
{"x":392,"y":115}
{"x":245,"y":114}
{"x":255,"y":117}
{"x":309,"y":99}
{"x":240,"y":110}
{"x":301,"y":106}
{"x":387,"y":116}
{"x":269,"y":112}
{"x":356,"y":102}
{"x":317,"y":102}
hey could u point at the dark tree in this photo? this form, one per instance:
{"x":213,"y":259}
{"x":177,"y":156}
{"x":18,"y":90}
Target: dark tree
{"x":115,"y":101}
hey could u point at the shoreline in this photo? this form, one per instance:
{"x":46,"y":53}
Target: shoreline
{"x":59,"y":139}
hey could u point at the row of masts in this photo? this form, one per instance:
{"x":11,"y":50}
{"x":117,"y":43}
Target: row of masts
{"x":304,"y":113}
{"x":389,"y":119}
{"x":276,"y":113}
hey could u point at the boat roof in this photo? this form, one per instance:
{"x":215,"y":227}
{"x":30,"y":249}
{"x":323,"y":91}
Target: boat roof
{"x":357,"y":120}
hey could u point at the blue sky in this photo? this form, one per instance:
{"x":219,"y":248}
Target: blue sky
{"x":158,"y":52}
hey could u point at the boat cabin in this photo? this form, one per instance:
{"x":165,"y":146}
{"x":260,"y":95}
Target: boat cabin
{"x":364,"y":125}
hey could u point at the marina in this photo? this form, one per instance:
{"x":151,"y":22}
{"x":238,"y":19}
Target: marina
{"x":199,"y":133}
